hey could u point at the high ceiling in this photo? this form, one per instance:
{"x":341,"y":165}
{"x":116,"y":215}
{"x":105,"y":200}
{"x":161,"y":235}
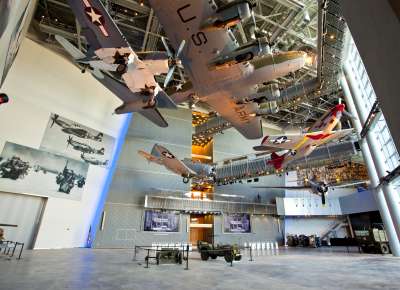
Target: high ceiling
{"x":289,"y":24}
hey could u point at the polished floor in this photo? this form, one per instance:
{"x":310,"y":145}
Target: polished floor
{"x":114,"y":269}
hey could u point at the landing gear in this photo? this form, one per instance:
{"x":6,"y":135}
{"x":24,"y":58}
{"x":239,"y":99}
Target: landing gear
{"x":151,"y":103}
{"x":186,"y":179}
{"x":121,"y":69}
{"x":293,"y":152}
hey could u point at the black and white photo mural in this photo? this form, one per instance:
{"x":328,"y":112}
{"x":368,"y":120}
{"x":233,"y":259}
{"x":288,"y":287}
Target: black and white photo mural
{"x":237,"y":223}
{"x":27,"y":170}
{"x":158,"y":221}
{"x":73,"y":140}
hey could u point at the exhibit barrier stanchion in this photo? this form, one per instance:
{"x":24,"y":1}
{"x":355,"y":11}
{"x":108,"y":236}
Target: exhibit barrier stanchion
{"x":187,"y":257}
{"x":20,"y":252}
{"x":251,"y":255}
{"x":147,"y":258}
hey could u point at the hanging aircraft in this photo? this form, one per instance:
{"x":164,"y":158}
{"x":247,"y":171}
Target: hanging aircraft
{"x":186,"y":169}
{"x":74,"y":129}
{"x":302,"y":145}
{"x":113,"y":63}
{"x":222,"y":73}
{"x":316,"y":187}
{"x":84,"y":148}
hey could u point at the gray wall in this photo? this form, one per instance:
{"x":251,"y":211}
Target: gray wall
{"x":232,"y":144}
{"x":263,"y":229}
{"x":135,"y":177}
{"x":123,"y":228}
{"x":358,"y":202}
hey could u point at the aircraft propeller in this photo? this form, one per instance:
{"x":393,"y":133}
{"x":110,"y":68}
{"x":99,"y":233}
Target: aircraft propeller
{"x":53,"y":119}
{"x":69,"y":141}
{"x":174,"y":61}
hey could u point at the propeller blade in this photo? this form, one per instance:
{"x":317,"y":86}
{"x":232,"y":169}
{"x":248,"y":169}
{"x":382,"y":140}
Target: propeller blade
{"x":169,"y":76}
{"x":182,"y":77}
{"x":348,"y":115}
{"x":180,"y":49}
{"x":323,"y":199}
{"x":166,"y":47}
{"x":339,"y":126}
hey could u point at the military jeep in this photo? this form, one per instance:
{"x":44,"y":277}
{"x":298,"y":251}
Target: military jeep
{"x":229,"y":252}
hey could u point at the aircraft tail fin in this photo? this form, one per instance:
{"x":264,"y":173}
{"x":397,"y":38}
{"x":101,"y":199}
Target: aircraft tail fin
{"x":277,"y":160}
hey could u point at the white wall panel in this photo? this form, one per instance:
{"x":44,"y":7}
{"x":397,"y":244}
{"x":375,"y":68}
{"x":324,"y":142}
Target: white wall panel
{"x":39,"y":83}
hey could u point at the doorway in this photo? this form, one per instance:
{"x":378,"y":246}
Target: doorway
{"x":20,"y":216}
{"x":201,"y":228}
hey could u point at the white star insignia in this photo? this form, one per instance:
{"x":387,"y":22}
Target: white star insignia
{"x":179,"y":87}
{"x":94,"y":16}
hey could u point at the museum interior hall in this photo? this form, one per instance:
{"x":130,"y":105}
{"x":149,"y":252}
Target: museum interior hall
{"x":199,"y":144}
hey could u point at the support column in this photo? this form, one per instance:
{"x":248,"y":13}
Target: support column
{"x":373,"y":176}
{"x":392,"y":197}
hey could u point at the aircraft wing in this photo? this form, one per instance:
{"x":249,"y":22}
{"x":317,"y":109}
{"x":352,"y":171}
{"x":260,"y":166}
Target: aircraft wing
{"x":280,"y":142}
{"x":283,"y":187}
{"x":97,"y":25}
{"x":181,"y":20}
{"x":148,"y":156}
{"x":240,"y":116}
{"x":337,"y":135}
{"x":126,"y":95}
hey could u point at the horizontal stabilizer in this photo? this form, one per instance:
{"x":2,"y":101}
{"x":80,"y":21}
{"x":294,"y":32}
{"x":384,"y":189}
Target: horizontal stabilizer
{"x":164,"y":101}
{"x":155,"y":116}
{"x":70,"y":48}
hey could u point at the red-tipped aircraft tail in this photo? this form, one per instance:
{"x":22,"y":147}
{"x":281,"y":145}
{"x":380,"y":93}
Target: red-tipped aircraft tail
{"x":277,"y":160}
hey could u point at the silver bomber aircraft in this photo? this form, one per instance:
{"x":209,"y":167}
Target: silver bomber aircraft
{"x":209,"y":42}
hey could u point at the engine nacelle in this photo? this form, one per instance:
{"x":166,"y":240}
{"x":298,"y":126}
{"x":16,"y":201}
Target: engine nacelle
{"x":270,"y":107}
{"x":242,"y":54}
{"x":228,"y":15}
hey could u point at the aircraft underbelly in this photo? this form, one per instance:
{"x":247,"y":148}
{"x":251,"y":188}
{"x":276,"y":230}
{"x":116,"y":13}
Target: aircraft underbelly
{"x":271,"y":72}
{"x":181,"y":20}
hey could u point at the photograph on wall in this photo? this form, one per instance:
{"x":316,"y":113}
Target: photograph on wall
{"x":73,"y":140}
{"x":27,"y":170}
{"x":237,"y":223}
{"x":157,"y":221}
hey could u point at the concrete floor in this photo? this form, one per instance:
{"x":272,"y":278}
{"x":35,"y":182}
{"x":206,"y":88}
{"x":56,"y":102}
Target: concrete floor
{"x":114,"y":269}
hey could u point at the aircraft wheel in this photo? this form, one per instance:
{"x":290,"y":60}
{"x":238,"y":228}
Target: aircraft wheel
{"x":384,"y":249}
{"x":121,"y":68}
{"x":186,"y":179}
{"x":213,"y":256}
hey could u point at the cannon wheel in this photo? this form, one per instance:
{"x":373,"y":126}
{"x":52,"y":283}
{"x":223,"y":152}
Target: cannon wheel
{"x":228,"y":257}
